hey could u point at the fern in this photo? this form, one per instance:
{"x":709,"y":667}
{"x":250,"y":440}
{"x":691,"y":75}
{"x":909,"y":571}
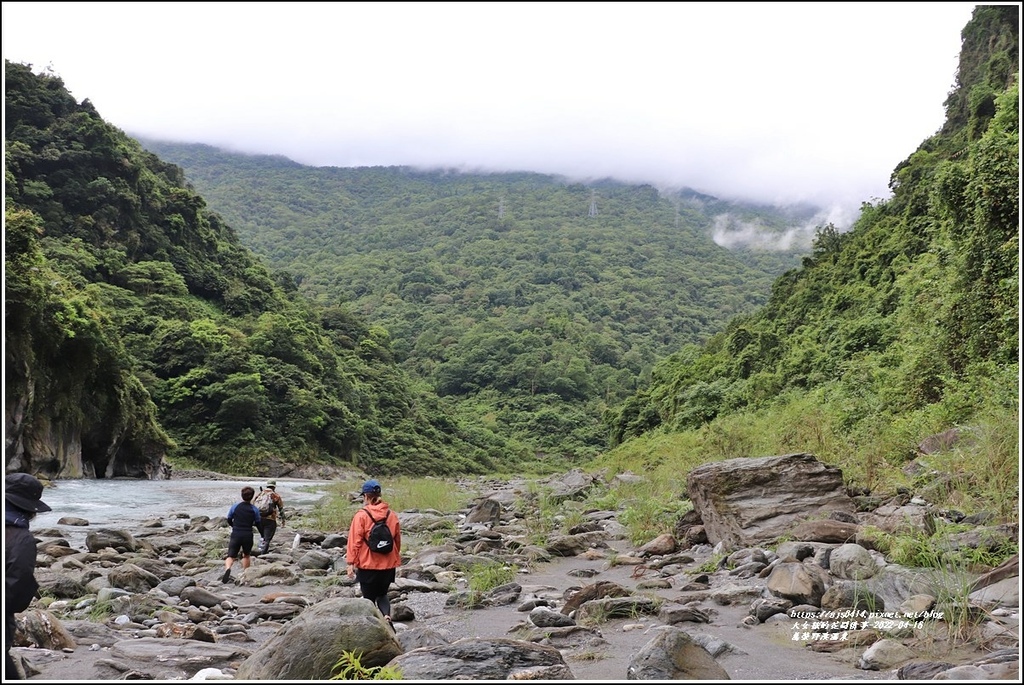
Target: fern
{"x":349,"y":667}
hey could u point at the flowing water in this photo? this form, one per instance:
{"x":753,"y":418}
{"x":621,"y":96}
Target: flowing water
{"x":125,"y":503}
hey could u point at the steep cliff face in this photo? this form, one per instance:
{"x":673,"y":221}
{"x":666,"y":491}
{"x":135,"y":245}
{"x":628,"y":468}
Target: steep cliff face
{"x":47,"y":449}
{"x":56,"y":445}
{"x":989,"y":60}
{"x":71,"y":408}
{"x":54,"y":448}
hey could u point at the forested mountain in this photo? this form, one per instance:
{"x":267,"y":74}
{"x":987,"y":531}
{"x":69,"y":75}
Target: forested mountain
{"x":532,"y":303}
{"x":137,"y":326}
{"x":904,"y":325}
{"x":436,"y":322}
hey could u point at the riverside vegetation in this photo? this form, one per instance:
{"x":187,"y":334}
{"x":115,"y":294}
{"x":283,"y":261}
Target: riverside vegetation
{"x":138,"y":321}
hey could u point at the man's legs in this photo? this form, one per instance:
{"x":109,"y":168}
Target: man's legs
{"x":269,"y":528}
{"x":246,"y":551}
{"x":384,"y":604}
{"x":234,"y":545}
{"x":259,"y":527}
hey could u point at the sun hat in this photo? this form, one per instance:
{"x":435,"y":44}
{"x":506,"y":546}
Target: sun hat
{"x":371,"y":487}
{"x":24,"y":491}
{"x":271,"y":483}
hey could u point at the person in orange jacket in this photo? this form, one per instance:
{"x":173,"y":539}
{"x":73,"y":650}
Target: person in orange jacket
{"x":374,"y":571}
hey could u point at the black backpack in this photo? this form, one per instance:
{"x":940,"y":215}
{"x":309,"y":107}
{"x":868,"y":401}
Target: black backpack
{"x":380,"y":539}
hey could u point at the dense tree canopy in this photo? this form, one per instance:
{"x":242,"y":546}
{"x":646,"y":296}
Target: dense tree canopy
{"x":919,"y":301}
{"x":502,"y":291}
{"x":134,"y":312}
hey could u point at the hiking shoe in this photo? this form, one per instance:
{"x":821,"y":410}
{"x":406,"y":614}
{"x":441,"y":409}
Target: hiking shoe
{"x":390,"y":624}
{"x":227,"y":576}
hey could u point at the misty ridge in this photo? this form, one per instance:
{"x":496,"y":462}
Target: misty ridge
{"x":731,"y":233}
{"x":791,"y":229}
{"x":800,"y":220}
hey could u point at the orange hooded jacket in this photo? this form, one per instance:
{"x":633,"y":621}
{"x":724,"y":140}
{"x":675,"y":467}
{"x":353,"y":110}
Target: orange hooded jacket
{"x":358,"y":554}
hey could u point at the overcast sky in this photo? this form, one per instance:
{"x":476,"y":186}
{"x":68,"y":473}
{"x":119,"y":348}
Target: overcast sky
{"x":774,"y":102}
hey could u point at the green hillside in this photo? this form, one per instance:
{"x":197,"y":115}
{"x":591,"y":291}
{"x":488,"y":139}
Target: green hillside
{"x":138,"y":327}
{"x":531,"y":303}
{"x":903,"y":327}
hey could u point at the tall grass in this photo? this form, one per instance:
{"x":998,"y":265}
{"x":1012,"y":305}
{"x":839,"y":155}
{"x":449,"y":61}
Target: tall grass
{"x":952,"y":571}
{"x":445,"y":496}
{"x":540,"y":521}
{"x":870,"y":448}
{"x":646,"y":508}
{"x":336,"y":509}
{"x":485,"y":576}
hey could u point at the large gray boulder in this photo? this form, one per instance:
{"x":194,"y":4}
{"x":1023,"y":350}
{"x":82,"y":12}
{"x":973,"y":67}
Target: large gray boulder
{"x":132,"y":578}
{"x":40,"y":628}
{"x":749,"y":502}
{"x":311,"y":644}
{"x":121,"y":540}
{"x":799,"y":582}
{"x":164,"y":656}
{"x":485,"y":511}
{"x":674,"y":655}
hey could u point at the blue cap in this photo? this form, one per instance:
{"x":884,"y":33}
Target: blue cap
{"x":371,"y":487}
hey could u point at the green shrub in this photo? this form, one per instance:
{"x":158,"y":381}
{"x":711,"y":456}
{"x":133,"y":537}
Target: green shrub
{"x":101,"y":611}
{"x":349,"y":668}
{"x":487,"y":576}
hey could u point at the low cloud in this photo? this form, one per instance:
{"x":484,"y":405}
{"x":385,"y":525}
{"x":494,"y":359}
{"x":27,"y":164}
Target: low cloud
{"x":732,"y":232}
{"x":789,"y":105}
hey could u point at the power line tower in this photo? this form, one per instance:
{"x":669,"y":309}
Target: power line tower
{"x":501,"y":208}
{"x":593,"y":203}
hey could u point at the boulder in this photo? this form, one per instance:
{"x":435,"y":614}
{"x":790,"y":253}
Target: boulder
{"x":483,"y":659}
{"x":674,"y":655}
{"x":748,"y":502}
{"x":310,"y":645}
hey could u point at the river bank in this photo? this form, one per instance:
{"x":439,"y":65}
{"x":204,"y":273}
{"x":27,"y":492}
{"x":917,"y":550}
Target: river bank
{"x":183,"y":555}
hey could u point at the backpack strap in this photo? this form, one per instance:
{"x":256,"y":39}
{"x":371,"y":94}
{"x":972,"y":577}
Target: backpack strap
{"x":371,"y":515}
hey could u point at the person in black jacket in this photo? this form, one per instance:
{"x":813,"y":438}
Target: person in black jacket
{"x":242,"y":516}
{"x":22,"y":493}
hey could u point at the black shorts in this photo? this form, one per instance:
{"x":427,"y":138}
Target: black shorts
{"x":375,"y":583}
{"x":239,"y":542}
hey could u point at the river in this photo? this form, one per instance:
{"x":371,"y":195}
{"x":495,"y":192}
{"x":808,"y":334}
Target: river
{"x":125,"y":503}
